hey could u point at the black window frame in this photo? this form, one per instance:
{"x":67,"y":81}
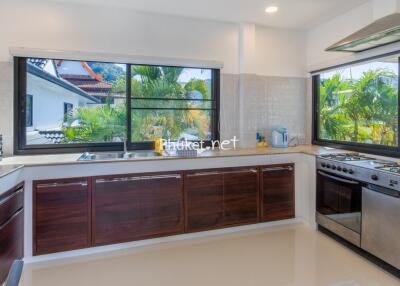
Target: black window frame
{"x":21,"y":148}
{"x":352,"y":146}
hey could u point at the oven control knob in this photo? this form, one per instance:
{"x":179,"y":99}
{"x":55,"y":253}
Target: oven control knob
{"x":323,"y":165}
{"x":374,"y":177}
{"x":339,"y":168}
{"x":333,"y":167}
{"x":328,"y":166}
{"x":344,"y":170}
{"x":351,"y":172}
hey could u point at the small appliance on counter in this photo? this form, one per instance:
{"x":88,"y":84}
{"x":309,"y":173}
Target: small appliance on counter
{"x":279,"y":138}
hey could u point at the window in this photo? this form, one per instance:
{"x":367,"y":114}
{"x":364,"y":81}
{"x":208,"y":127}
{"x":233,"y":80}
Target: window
{"x":68,"y":111}
{"x":356,"y":106}
{"x":91,"y":106}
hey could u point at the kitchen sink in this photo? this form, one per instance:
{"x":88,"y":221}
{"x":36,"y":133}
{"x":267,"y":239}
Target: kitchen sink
{"x":104,"y":156}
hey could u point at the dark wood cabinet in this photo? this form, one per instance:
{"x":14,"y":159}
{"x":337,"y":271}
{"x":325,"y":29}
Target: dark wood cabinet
{"x":77,"y":213}
{"x":221,"y":197}
{"x":132,"y":207}
{"x":204,"y":192}
{"x":11,"y":229}
{"x":277,"y":192}
{"x":61,"y":215}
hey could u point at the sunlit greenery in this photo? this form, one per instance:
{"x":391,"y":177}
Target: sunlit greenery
{"x":360,"y":110}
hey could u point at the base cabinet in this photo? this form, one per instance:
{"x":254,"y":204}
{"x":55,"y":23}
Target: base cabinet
{"x":127,"y":208}
{"x":221,"y":197}
{"x":11,"y":229}
{"x":77,"y":213}
{"x":277,"y":192}
{"x":61,"y":215}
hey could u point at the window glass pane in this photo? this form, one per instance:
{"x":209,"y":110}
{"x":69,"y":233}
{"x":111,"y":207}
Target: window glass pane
{"x":192,"y":125}
{"x":359,"y":103}
{"x":158,"y":95}
{"x":75,"y":102}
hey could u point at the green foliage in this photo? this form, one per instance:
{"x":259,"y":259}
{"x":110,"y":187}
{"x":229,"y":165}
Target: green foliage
{"x":363,"y":111}
{"x":103,"y":123}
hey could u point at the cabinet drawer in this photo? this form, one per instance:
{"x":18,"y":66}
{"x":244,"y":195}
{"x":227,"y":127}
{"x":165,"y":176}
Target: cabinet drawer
{"x":10,"y":203}
{"x":11,"y":242}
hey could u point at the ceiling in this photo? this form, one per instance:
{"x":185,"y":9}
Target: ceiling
{"x":299,"y":14}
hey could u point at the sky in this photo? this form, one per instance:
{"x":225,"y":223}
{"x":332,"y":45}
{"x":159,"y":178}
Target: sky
{"x":357,"y":71}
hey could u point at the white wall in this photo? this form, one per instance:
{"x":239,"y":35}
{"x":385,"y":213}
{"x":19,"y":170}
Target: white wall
{"x":47,"y":25}
{"x":280,"y":52}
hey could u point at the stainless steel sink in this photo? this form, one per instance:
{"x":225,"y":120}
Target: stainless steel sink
{"x":104,"y":156}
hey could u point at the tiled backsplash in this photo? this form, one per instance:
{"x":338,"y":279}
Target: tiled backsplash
{"x":6,"y":106}
{"x":249,"y":103}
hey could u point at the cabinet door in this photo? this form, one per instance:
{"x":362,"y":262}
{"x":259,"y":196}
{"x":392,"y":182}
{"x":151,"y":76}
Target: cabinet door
{"x":204,"y":200}
{"x":127,"y":208}
{"x":241,"y":196}
{"x":61,"y":215}
{"x":11,"y":229}
{"x":277,"y":188}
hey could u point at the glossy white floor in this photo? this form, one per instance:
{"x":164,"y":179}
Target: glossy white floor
{"x":277,"y":256}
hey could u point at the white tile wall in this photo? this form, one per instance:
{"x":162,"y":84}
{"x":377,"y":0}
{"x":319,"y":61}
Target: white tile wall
{"x":264,"y":102}
{"x":6,"y":106}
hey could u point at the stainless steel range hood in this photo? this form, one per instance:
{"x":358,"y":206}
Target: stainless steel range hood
{"x":381,"y":32}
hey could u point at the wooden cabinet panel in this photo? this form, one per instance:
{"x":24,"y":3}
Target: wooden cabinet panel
{"x":61,"y":215}
{"x":241,"y":196}
{"x":11,"y":228}
{"x":11,"y":242}
{"x":204,"y":200}
{"x":221,"y":197}
{"x":277,"y":191}
{"x":127,"y":208}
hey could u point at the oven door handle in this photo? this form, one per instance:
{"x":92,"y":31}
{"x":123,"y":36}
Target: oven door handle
{"x":338,"y":179}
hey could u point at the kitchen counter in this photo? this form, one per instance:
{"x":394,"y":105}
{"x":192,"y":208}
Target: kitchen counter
{"x":63,"y":159}
{"x":8,"y":169}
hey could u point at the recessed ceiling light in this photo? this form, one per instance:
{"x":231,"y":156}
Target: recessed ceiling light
{"x":271,"y":9}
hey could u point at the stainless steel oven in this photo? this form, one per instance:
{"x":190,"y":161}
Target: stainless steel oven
{"x":339,"y":205}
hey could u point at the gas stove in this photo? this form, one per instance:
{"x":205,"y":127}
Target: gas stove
{"x":362,"y":168}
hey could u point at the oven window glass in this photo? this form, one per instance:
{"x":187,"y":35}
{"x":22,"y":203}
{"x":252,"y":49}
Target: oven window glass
{"x":339,"y":201}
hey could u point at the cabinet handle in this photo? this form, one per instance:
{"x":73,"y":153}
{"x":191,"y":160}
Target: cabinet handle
{"x":278,"y":169}
{"x":140,"y":178}
{"x":55,"y":185}
{"x":221,"y":173}
{"x":11,"y":218}
{"x":10,"y":196}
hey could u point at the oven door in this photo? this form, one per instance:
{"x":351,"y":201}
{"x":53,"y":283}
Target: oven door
{"x":339,"y":205}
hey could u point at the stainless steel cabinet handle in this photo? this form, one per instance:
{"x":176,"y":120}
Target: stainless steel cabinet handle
{"x":139,"y":178}
{"x":338,"y":179}
{"x":10,"y":196}
{"x":278,"y":169}
{"x":57,"y":185}
{"x":199,"y":174}
{"x":10,"y":219}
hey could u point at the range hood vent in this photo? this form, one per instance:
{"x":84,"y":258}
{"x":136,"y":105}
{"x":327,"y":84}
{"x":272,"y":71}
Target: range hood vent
{"x":381,"y":32}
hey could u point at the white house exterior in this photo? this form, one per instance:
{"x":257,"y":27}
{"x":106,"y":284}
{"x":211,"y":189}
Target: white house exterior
{"x":49,"y":95}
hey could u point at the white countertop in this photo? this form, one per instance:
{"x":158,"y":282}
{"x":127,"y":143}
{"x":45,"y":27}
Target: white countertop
{"x":15,"y":162}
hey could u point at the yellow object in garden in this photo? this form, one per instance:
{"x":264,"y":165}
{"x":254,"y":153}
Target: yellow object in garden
{"x":158,"y":145}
